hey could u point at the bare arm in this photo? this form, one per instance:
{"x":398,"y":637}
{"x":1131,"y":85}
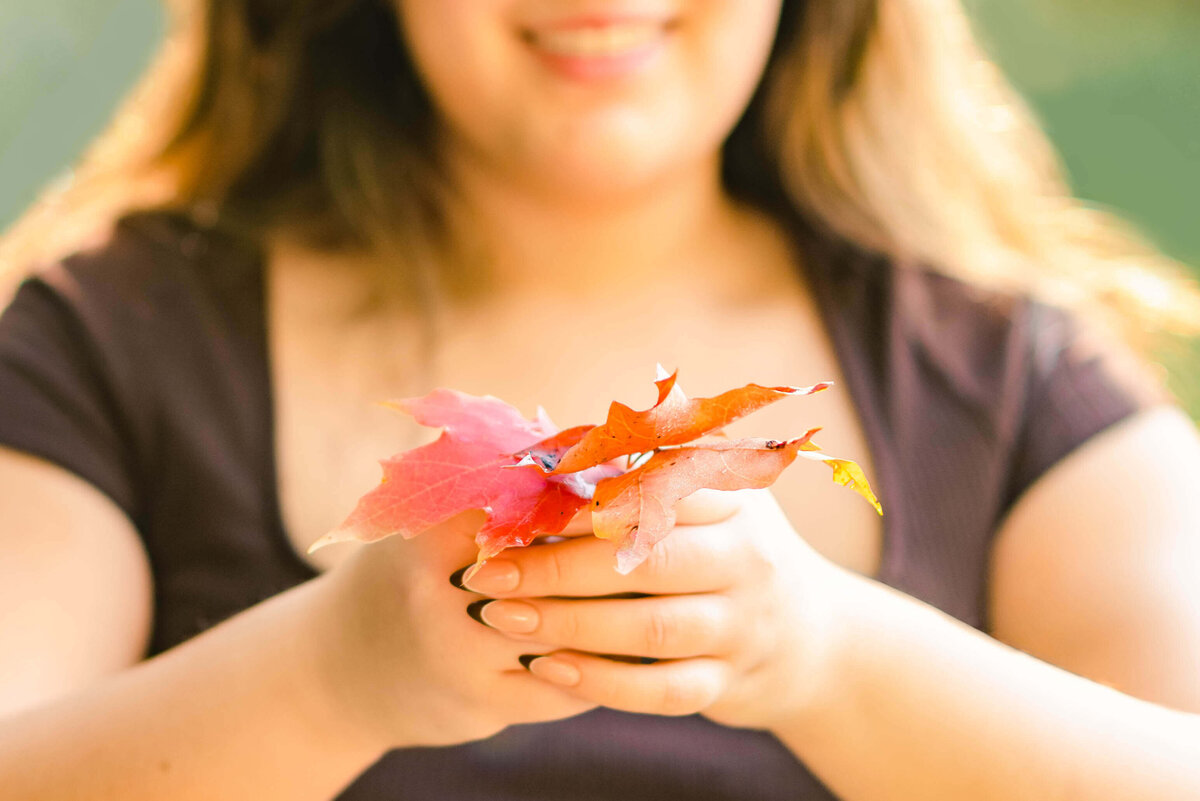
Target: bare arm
{"x":75,"y":586}
{"x":1096,"y":570}
{"x":884,"y":697}
{"x":291,"y":699}
{"x":235,"y":713}
{"x":926,"y":707}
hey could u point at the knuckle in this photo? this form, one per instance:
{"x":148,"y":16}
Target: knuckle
{"x":552,"y":567}
{"x":563,"y":625}
{"x":709,"y":552}
{"x":659,"y":632}
{"x":682,"y":695}
{"x":709,"y":627}
{"x":661,"y":560}
{"x":758,"y":562}
{"x":720,"y":546}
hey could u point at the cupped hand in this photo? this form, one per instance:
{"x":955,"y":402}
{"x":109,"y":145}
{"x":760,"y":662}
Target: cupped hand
{"x":404,"y":659}
{"x":731,"y":609}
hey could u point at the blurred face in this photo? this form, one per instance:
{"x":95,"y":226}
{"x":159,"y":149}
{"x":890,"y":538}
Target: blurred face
{"x":589,"y":96}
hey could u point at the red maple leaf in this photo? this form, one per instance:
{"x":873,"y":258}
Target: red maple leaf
{"x":531,"y":479}
{"x":470,"y":466}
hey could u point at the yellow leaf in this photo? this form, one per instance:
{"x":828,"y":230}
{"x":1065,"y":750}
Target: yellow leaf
{"x":845,"y":472}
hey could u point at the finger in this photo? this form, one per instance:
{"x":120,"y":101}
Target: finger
{"x":707,"y":506}
{"x":691,"y":559}
{"x":682,"y":687}
{"x":581,"y":523}
{"x":662,"y":627}
{"x":528,"y":699}
{"x":443,"y":546}
{"x":701,"y":507}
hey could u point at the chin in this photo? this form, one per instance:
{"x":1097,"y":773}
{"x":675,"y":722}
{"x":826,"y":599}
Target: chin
{"x":609,"y":167}
{"x":597,"y":181}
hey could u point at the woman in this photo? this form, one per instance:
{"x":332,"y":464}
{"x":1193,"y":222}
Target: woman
{"x":539,"y":200}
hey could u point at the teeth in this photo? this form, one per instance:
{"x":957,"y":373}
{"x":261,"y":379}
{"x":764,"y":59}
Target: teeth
{"x":611,"y":40}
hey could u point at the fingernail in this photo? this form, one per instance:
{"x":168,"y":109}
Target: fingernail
{"x":555,"y":671}
{"x":630,"y":660}
{"x":475,"y":610}
{"x":493,"y":576}
{"x":510,"y":616}
{"x":456,"y":578}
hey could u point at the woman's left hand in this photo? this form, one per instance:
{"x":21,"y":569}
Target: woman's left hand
{"x":733,"y":604}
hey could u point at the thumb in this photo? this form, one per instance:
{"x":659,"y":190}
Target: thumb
{"x":702,"y":507}
{"x":580,"y":524}
{"x":707,"y":506}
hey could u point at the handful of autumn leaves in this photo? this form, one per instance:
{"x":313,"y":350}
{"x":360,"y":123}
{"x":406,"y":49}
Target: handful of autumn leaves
{"x":531,"y":478}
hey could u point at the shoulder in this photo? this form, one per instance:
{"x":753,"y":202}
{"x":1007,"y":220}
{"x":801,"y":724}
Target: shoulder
{"x":107,"y":351}
{"x":147,"y":257}
{"x":909,"y":302}
{"x":143,"y":300}
{"x":1001,"y":350}
{"x":925,"y":336}
{"x":122,"y":303}
{"x":952,"y":364}
{"x":977,"y":338}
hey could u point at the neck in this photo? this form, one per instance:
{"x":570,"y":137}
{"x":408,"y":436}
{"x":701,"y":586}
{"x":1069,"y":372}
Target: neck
{"x":681,"y":232}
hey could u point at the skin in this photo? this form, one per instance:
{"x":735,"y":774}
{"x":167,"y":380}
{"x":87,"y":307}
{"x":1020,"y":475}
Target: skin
{"x":378,"y":652}
{"x":538,"y":134}
{"x":843,"y":666}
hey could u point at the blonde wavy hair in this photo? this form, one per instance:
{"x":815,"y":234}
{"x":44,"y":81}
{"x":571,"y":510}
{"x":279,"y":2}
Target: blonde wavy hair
{"x":879,"y":120}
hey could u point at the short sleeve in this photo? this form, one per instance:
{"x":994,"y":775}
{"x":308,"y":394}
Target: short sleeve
{"x":56,"y":399}
{"x":1080,"y":382}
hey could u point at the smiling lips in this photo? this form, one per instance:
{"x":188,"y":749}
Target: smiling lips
{"x":590,"y":41}
{"x":589,"y":49}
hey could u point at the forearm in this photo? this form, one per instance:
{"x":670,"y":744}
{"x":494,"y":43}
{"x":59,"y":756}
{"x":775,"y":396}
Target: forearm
{"x":920,"y":706}
{"x":241,"y":711}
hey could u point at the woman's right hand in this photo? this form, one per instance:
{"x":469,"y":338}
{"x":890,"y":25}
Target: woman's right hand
{"x":403,"y":659}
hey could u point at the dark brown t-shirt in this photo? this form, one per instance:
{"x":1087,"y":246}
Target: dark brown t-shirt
{"x":142,"y":367}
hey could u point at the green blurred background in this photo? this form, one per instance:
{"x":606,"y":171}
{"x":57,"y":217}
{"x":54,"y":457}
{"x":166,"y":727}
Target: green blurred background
{"x":1115,"y":82}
